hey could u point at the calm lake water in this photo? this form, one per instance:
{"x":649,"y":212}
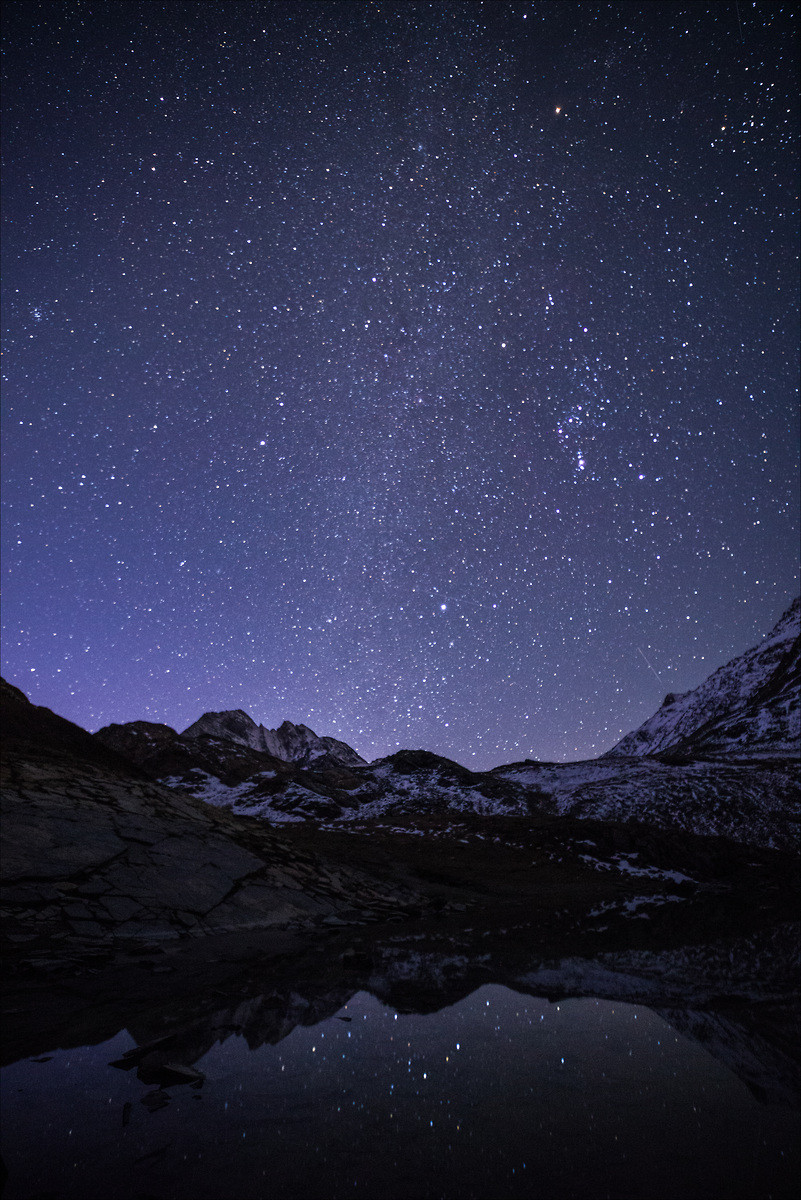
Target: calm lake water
{"x":501,"y":1095}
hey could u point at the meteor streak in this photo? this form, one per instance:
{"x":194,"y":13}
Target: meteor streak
{"x":650,"y":668}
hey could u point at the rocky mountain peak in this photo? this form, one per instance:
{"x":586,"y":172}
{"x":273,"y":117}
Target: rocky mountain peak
{"x":233,"y":724}
{"x":290,"y":742}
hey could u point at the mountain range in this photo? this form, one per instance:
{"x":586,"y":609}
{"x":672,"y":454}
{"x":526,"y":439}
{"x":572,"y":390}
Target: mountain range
{"x":141,"y":832}
{"x":720,"y":759}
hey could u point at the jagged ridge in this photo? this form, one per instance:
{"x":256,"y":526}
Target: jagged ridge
{"x":292,"y":743}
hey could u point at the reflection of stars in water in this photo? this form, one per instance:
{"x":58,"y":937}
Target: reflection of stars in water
{"x":483,"y":1088}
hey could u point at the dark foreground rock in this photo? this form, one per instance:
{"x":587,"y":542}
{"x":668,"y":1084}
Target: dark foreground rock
{"x":92,"y":848}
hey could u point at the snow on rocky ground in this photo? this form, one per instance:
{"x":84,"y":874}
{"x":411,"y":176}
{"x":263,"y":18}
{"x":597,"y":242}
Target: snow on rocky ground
{"x":622,"y":863}
{"x":758,"y":803}
{"x":381,"y":792}
{"x":386,"y":791}
{"x":207,"y":787}
{"x":635,"y":906}
{"x":754,"y":802}
{"x":561,"y":779}
{"x":245,"y":798}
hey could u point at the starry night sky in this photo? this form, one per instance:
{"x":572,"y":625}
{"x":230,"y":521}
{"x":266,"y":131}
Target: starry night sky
{"x":425,"y":373}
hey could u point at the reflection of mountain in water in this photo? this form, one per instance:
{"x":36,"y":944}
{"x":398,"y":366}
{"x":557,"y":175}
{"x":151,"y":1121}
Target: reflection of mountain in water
{"x":757,"y":1042}
{"x":734,"y":994}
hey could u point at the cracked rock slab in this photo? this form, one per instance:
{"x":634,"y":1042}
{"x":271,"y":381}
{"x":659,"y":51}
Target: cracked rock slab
{"x":93,"y":849}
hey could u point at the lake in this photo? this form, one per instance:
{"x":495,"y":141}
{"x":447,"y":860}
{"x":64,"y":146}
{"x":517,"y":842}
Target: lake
{"x":498,"y":1095}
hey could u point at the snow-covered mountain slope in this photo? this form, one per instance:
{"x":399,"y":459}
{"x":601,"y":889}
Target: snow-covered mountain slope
{"x":754,"y":803}
{"x":229,"y":746}
{"x":715,"y":760}
{"x":412,"y":782}
{"x":758,"y":803}
{"x":748,"y":709}
{"x":215,"y":760}
{"x":416,"y":781}
{"x":292,"y":743}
